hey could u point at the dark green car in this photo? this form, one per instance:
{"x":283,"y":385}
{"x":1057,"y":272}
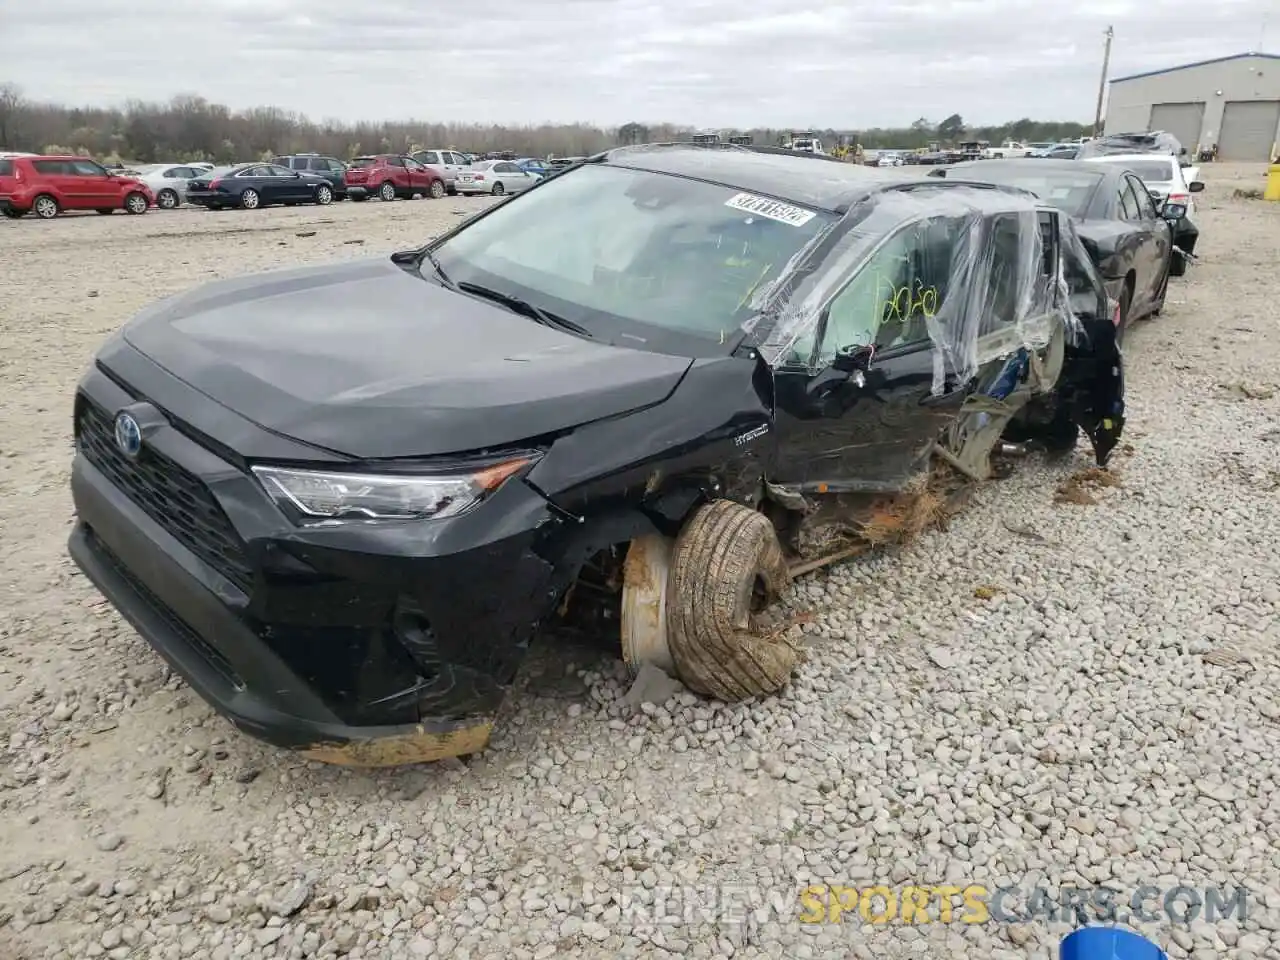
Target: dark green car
{"x":333,"y":170}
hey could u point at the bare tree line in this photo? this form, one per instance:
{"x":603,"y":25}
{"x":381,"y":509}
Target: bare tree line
{"x":191,"y":128}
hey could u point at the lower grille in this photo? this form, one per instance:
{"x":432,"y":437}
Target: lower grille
{"x":171,"y":495}
{"x":211,"y":655}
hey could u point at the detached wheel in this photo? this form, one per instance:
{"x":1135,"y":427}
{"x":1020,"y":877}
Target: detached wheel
{"x":324,"y":196}
{"x":499,"y":189}
{"x":135,"y":204}
{"x":726,"y":559}
{"x":45,"y":207}
{"x":387,"y":191}
{"x":250,"y":200}
{"x":167,"y":199}
{"x":437,"y":189}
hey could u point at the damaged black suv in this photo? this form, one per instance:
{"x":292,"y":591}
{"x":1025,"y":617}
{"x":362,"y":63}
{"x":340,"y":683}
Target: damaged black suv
{"x":340,"y":501}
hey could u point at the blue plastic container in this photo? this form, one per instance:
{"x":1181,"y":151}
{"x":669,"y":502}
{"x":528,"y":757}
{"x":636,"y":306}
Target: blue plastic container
{"x":1108,"y":943}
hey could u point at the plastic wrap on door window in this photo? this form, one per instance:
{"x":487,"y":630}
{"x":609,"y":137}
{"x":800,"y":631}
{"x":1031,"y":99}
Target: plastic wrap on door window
{"x":994,"y":281}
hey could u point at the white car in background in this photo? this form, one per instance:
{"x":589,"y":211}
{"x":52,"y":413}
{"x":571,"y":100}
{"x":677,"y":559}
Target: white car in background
{"x":168,"y":181}
{"x":450,"y":163}
{"x":1164,"y":178}
{"x":890,"y":158}
{"x":495,"y":177}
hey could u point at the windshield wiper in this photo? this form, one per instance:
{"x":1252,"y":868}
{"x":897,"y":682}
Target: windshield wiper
{"x":524,"y":306}
{"x":435,"y":265}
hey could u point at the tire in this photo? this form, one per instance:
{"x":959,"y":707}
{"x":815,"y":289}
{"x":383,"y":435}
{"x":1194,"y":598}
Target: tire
{"x":45,"y":207}
{"x":1164,"y":287}
{"x":358,"y":197}
{"x":723,"y":553}
{"x":167,"y":199}
{"x":499,"y":189}
{"x":437,"y":190}
{"x":451,"y":190}
{"x":136,"y":204}
{"x":250,"y":199}
{"x":1126,"y":301}
{"x":14,"y":214}
{"x":324,"y":195}
{"x":387,"y":191}
{"x":106,"y":211}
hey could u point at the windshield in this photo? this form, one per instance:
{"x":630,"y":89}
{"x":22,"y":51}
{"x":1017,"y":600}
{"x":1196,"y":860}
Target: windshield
{"x":1069,"y":191}
{"x":633,"y":254}
{"x":1157,"y":171}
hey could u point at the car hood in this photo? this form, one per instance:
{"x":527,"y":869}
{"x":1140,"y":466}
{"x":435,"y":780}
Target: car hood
{"x":370,"y":361}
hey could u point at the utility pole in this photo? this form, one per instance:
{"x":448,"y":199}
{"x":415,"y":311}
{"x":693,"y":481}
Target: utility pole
{"x":1102,"y":83}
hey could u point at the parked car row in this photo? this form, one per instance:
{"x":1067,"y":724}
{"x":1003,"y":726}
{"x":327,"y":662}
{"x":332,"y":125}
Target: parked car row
{"x":45,"y":186}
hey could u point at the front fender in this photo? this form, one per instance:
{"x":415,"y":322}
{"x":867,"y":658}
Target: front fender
{"x":714,"y":428}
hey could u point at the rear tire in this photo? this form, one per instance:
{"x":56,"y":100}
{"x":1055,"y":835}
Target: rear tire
{"x":45,"y":207}
{"x":106,"y":211}
{"x":136,"y":204}
{"x":724,"y":553}
{"x":387,"y":191}
{"x":499,"y":189}
{"x":250,"y":199}
{"x":1126,"y":302}
{"x":167,"y":199}
{"x":15,"y":214}
{"x":437,"y":190}
{"x":357,"y":197}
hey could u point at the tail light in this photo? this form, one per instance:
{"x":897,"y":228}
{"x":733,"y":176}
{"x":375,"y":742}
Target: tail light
{"x":213,"y":184}
{"x":1182,"y":198}
{"x":479,"y":176}
{"x":1115,"y":314}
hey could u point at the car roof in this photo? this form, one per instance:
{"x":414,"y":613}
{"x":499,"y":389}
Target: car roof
{"x":783,"y":174}
{"x":1030,"y":165}
{"x":812,"y":180}
{"x":1123,"y":157}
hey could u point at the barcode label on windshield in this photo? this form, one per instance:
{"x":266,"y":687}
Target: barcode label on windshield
{"x":770,"y":209}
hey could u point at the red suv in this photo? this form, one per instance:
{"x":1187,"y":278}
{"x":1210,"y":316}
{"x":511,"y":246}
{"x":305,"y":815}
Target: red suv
{"x":390,"y":175}
{"x":49,"y":185}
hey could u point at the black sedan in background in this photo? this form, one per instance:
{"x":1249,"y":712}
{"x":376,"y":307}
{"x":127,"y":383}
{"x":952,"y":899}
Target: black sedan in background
{"x":254,"y":185}
{"x":1127,"y":233}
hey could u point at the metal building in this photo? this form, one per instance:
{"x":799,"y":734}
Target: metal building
{"x":1231,"y":101}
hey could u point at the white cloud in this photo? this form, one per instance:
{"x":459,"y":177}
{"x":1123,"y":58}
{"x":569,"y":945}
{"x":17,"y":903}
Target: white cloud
{"x":847,"y":64}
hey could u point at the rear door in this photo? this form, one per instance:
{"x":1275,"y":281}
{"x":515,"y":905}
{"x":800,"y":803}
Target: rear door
{"x":1154,"y":255}
{"x":60,"y":180}
{"x":420,"y":177}
{"x":843,"y":436}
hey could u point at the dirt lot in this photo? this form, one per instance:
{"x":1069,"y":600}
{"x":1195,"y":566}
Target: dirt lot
{"x":1049,"y":694}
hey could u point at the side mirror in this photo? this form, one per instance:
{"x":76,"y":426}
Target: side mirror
{"x":1173,"y":212}
{"x":1195,"y":186}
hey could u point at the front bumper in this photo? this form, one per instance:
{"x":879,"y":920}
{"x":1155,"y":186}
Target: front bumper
{"x":367,"y":645}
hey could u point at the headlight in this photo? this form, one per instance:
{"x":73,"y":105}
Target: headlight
{"x":382,"y":496}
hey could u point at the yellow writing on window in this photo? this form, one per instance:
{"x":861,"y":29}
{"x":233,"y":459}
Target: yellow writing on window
{"x":899,"y":303}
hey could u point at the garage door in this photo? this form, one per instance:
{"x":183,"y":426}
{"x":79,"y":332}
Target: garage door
{"x":1249,"y":130}
{"x":1183,"y":120}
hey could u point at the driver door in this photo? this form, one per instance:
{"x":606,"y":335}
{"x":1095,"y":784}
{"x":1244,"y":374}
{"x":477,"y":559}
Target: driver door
{"x":842,"y":435}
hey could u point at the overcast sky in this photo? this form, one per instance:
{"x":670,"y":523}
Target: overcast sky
{"x":846,"y":64}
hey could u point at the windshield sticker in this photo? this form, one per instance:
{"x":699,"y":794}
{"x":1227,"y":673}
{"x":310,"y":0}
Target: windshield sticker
{"x":772,"y":209}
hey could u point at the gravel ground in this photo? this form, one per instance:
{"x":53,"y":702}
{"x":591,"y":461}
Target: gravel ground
{"x":1049,"y":695}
